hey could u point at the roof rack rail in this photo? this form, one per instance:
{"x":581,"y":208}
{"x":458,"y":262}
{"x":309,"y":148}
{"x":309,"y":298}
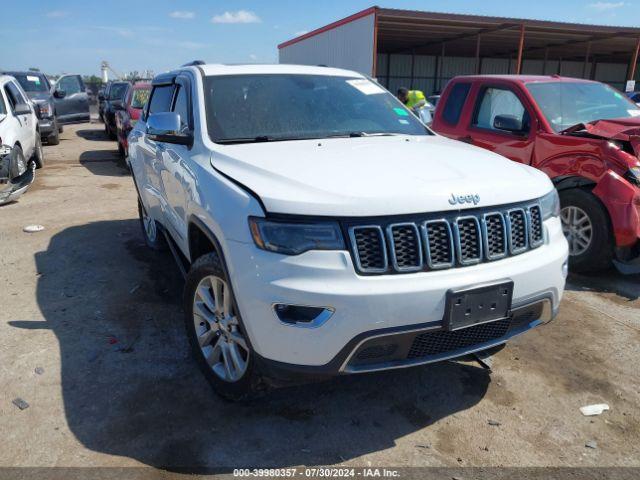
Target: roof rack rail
{"x":194,"y":63}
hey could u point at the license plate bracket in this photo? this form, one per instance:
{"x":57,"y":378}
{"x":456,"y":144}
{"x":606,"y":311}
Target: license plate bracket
{"x":478,"y":304}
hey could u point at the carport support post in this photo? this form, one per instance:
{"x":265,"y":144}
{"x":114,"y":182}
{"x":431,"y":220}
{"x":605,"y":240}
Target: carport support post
{"x":478,"y":54}
{"x":520,"y":48}
{"x":634,"y":61}
{"x":586,"y":60}
{"x":544,"y":62}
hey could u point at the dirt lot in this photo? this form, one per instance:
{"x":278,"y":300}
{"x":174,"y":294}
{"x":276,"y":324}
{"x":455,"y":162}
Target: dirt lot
{"x":98,"y":315}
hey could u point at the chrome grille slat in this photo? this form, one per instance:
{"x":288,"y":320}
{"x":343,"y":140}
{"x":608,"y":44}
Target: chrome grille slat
{"x":369,"y":248}
{"x":495,"y":235}
{"x":468,"y":240}
{"x":536,"y":233}
{"x":438,"y":242}
{"x":384,"y":247}
{"x":405,"y":247}
{"x":517,"y":231}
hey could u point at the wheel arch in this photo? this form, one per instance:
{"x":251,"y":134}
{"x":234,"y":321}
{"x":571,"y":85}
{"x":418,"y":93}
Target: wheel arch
{"x":201,"y":240}
{"x":566,"y":182}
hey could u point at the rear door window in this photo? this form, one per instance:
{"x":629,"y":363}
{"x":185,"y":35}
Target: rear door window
{"x":455,"y":102}
{"x":495,"y":101}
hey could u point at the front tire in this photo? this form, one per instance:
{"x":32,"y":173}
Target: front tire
{"x":585,"y":223}
{"x":38,"y":153}
{"x":54,"y":137}
{"x":216,"y":334}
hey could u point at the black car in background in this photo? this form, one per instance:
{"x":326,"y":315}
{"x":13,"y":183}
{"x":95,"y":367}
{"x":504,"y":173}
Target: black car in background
{"x":64,"y":102}
{"x":114,"y":96}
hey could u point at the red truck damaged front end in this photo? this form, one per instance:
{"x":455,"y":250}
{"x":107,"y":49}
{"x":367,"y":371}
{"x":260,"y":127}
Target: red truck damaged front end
{"x":585,"y":135}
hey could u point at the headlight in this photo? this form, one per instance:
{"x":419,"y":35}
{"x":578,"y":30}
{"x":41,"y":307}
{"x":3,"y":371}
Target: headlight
{"x":295,"y":238}
{"x":45,"y":109}
{"x":633,"y":176}
{"x":550,"y":205}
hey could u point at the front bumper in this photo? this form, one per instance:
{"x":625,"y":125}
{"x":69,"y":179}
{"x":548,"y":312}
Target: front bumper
{"x":365,"y":307}
{"x":47,"y":126}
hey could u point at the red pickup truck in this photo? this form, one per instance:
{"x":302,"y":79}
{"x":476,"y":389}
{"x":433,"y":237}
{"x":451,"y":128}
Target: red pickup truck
{"x":585,"y":135}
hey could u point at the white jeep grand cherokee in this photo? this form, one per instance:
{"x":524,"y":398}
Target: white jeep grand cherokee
{"x":326,"y":231}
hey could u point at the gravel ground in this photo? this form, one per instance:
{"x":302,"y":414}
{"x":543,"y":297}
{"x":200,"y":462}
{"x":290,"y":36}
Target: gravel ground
{"x":91,"y":337}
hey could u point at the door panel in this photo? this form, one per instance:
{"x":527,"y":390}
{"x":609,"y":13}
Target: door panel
{"x":176,"y":159}
{"x":74,"y":107}
{"x":491,"y":102}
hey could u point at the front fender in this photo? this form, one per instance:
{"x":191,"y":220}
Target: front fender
{"x":622,"y":201}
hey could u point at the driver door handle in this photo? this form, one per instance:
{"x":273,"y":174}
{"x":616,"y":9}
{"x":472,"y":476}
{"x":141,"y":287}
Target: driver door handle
{"x":467,"y":139}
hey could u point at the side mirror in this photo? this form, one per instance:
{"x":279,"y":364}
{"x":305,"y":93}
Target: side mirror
{"x":59,"y":93}
{"x":165,"y":127}
{"x":101,"y":97}
{"x":508,"y":123}
{"x":22,"y":109}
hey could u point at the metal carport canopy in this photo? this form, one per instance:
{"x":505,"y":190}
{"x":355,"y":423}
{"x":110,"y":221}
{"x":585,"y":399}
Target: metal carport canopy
{"x":424,"y":33}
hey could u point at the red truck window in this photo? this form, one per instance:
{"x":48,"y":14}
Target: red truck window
{"x":498,"y":101}
{"x":455,"y":102}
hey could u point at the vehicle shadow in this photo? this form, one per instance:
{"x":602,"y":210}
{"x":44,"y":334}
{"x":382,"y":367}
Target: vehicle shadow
{"x":609,"y":281}
{"x":93,"y":134}
{"x":130,"y":386}
{"x":103,"y":162}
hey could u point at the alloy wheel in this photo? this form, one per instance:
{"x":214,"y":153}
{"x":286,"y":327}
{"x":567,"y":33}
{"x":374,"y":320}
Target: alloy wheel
{"x":217,"y":329}
{"x":577,"y":227}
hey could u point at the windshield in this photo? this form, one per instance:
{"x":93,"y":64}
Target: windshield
{"x":118,"y":91}
{"x":270,"y":107}
{"x":140,"y":97}
{"x":565,"y":104}
{"x":31,"y":83}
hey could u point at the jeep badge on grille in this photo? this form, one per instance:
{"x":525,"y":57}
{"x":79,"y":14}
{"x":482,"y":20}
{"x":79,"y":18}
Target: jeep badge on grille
{"x":462,"y":199}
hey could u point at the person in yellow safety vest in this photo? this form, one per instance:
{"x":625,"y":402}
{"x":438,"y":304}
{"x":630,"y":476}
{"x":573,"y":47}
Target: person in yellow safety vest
{"x":417,"y":103}
{"x":413,"y":99}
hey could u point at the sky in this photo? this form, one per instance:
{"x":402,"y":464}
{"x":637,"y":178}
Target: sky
{"x":74,"y":36}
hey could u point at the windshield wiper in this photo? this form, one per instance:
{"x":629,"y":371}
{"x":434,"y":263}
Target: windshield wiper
{"x":260,"y":138}
{"x":363,"y":134}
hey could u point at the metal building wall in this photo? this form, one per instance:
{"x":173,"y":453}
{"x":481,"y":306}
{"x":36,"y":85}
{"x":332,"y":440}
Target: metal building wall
{"x":430,"y":73}
{"x":346,"y":46}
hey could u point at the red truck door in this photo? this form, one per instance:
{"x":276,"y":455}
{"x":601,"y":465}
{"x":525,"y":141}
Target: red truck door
{"x":501,"y":121}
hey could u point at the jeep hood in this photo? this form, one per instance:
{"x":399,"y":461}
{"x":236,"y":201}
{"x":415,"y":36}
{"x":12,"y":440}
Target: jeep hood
{"x":371,"y":176}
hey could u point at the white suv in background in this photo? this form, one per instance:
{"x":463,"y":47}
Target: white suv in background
{"x":20,"y":145}
{"x":324,"y":230}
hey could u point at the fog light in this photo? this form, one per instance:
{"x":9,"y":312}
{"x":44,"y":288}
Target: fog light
{"x":565,"y":268}
{"x":302,"y":315}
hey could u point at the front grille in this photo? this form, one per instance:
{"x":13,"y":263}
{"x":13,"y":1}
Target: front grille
{"x":441,"y":341}
{"x":406,"y":251}
{"x":517,"y":227}
{"x":469,"y":240}
{"x":496,"y":236}
{"x":535,"y":226}
{"x":439,"y":244}
{"x":370,"y":248}
{"x":445,"y":240}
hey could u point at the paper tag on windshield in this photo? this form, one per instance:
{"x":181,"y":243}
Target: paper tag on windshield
{"x":634,"y":113}
{"x":31,"y":78}
{"x":365,"y":86}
